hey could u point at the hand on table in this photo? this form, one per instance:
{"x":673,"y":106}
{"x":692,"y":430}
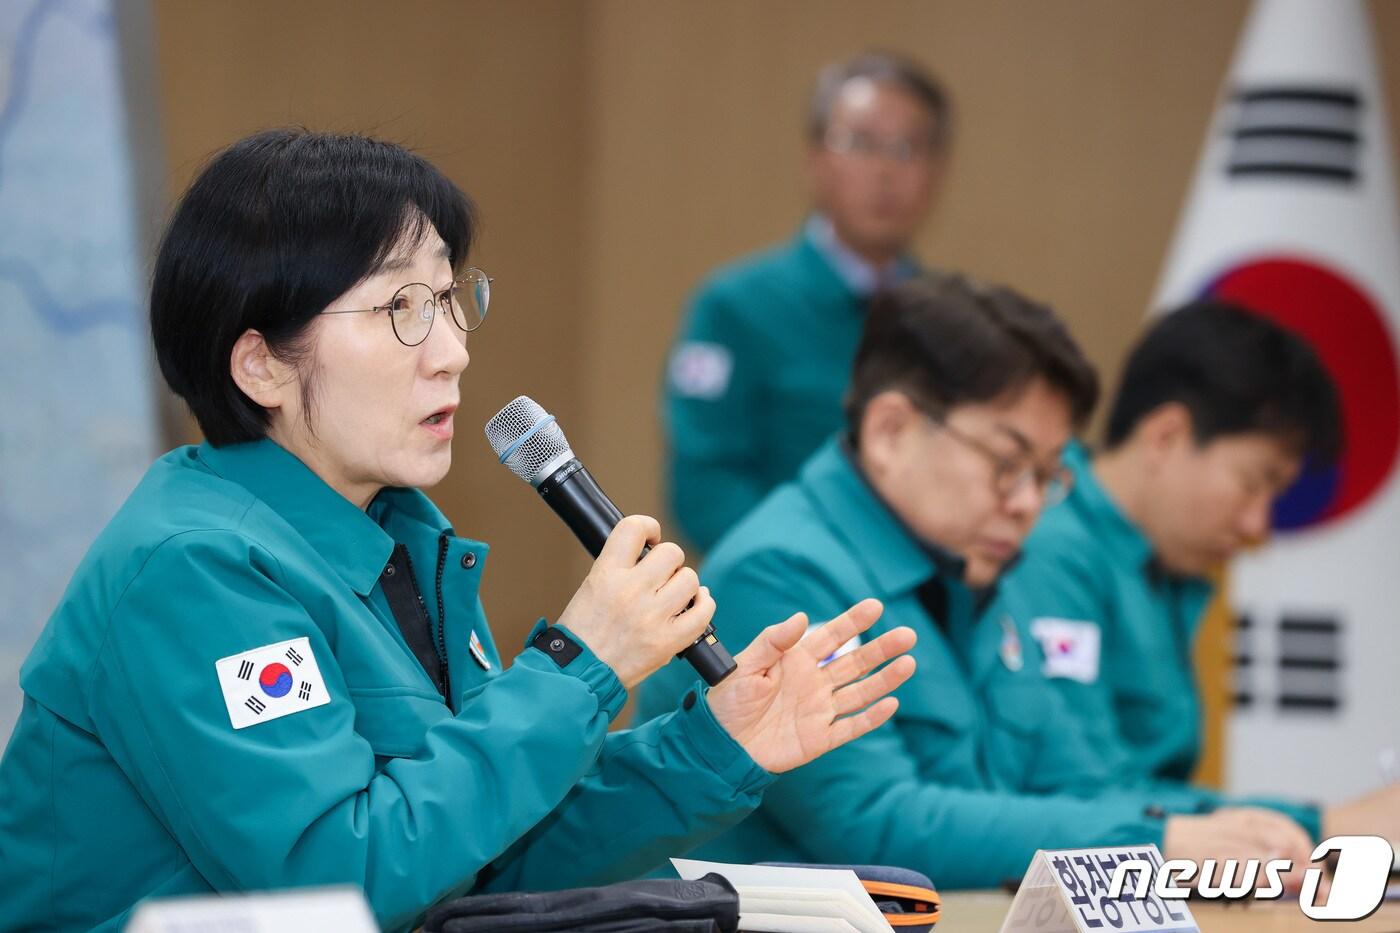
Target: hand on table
{"x":1240,"y":833}
{"x":1375,"y":814}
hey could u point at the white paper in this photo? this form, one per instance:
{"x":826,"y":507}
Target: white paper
{"x":840,"y":905}
{"x":808,"y":890}
{"x":783,"y":923}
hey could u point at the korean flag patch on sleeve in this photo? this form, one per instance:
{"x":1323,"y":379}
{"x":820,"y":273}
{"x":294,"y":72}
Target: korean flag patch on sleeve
{"x":701,"y":370}
{"x":1070,"y":646}
{"x":271,"y":682}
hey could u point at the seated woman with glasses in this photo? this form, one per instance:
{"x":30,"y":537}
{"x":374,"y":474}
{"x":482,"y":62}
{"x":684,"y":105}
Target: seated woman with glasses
{"x":272,"y":669}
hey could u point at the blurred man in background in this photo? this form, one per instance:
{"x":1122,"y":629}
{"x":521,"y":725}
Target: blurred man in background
{"x":961,"y":401}
{"x":755,"y":378}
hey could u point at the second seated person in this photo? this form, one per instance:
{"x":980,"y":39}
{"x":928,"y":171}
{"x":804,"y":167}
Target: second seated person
{"x":1217,"y":412}
{"x":961,"y":403}
{"x":755,"y":378}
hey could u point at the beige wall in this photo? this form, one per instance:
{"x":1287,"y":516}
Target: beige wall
{"x":620,"y":148}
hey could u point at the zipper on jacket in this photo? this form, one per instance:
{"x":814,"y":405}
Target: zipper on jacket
{"x":442,"y":619}
{"x":438,"y":640}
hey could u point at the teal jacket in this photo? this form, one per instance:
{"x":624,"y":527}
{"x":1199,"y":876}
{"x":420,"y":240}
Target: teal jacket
{"x":1087,"y":565}
{"x":754,"y":382}
{"x":979,"y":767}
{"x":126,"y":777}
{"x":1117,"y":634}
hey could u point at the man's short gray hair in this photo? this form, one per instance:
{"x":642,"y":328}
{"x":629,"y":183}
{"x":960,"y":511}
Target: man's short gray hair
{"x":882,"y":68}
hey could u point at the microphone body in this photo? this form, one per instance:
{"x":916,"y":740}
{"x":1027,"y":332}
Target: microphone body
{"x":575,"y":496}
{"x":527,"y":440}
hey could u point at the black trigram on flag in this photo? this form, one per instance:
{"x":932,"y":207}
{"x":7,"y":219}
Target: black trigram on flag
{"x":245,"y":670}
{"x":256,"y":705}
{"x":1298,"y":131}
{"x":304,"y":691}
{"x":293,"y":656}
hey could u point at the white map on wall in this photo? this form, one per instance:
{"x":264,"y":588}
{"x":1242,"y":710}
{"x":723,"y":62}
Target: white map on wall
{"x":77,"y":411}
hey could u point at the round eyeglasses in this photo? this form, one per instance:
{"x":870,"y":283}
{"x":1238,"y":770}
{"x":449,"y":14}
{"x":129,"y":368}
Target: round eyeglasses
{"x":415,"y":306}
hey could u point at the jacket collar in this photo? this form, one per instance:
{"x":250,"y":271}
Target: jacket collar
{"x":896,"y":560}
{"x":351,"y":541}
{"x":861,"y":277}
{"x":1124,"y":542}
{"x":1119,"y":535}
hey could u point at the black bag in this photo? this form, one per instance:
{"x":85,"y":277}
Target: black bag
{"x":709,"y":905}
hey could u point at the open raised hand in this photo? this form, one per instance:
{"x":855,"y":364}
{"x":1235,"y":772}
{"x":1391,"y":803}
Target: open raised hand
{"x":786,"y":709}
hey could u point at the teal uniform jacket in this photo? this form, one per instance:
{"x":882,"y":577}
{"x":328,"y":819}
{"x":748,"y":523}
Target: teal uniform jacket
{"x":125,"y":777}
{"x":754,"y":382}
{"x":1117,"y":632}
{"x":979,"y":767}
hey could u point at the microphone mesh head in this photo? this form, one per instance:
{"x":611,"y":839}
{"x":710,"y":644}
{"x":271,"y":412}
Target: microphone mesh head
{"x":526,"y":439}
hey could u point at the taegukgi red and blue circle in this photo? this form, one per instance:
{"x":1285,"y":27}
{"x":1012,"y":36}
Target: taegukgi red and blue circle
{"x":1351,"y":335}
{"x":275,"y":680}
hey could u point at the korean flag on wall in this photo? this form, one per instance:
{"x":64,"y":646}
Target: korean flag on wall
{"x":271,"y":682}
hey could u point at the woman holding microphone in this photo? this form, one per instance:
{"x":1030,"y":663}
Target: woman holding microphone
{"x":272,"y":668}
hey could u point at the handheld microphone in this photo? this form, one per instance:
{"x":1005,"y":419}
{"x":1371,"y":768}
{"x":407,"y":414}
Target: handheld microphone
{"x":530,"y":443}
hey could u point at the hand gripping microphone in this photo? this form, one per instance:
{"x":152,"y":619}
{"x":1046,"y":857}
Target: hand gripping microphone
{"x":527,"y":439}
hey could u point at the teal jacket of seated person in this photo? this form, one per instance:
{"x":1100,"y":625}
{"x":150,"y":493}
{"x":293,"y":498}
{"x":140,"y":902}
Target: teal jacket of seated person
{"x":979,"y":767}
{"x":1119,"y":630}
{"x":126,"y":777}
{"x":1117,"y":633}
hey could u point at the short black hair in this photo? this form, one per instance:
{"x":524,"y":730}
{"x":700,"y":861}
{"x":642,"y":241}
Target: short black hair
{"x":944,"y":341}
{"x":274,"y":229}
{"x":882,"y":68}
{"x":1236,"y":371}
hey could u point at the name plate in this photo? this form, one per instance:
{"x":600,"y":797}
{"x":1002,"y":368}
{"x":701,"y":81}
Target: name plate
{"x":1066,"y":891}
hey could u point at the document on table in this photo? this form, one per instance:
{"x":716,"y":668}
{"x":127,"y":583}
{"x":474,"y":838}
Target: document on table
{"x":794,"y":900}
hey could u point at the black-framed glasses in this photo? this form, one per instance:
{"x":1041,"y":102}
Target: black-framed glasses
{"x":415,"y":306}
{"x":1012,"y":474}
